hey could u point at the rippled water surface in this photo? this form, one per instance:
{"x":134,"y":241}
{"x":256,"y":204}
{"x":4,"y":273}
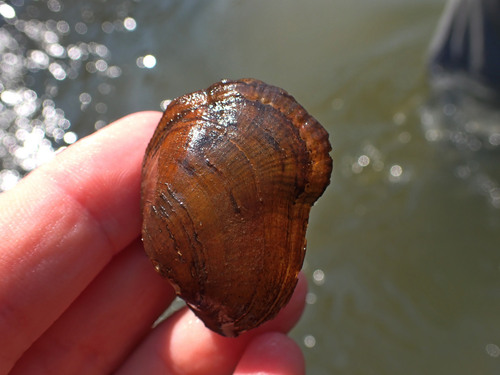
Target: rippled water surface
{"x":403,"y":248}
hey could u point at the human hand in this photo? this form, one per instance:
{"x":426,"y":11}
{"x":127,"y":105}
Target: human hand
{"x":77,"y":292}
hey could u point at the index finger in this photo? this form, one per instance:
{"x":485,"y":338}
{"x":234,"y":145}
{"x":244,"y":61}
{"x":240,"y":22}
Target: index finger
{"x":63,"y":223}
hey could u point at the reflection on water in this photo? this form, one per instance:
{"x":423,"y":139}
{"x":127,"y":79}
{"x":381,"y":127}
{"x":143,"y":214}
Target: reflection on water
{"x":403,"y":257}
{"x":457,"y":116}
{"x":46,"y":54}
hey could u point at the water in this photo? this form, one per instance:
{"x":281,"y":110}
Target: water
{"x":403,"y":248}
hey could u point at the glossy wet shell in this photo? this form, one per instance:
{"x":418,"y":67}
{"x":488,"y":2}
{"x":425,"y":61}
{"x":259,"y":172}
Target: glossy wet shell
{"x":229,"y":178}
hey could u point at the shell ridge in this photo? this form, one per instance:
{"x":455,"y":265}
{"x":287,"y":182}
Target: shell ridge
{"x":271,"y":141}
{"x":274,"y":144}
{"x":280,"y":298}
{"x":252,"y":167}
{"x":317,"y":145}
{"x":204,"y":159}
{"x":200,"y":263}
{"x":257,"y":184}
{"x":287,"y":106}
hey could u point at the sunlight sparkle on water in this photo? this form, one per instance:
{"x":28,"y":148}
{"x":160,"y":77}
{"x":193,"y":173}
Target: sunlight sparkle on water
{"x":396,"y":171}
{"x":7,"y":11}
{"x":493,"y":350}
{"x":319,"y":277}
{"x":309,"y":341}
{"x":32,"y":127}
{"x":311,"y":298}
{"x":54,"y":5}
{"x":129,"y":24}
{"x":70,"y":137}
{"x":148,"y":61}
{"x":363,"y":161}
{"x":399,"y":118}
{"x":81,"y":28}
{"x":164,"y":104}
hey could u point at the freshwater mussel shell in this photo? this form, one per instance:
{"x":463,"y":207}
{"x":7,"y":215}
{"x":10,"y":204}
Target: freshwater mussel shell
{"x":228,"y":181}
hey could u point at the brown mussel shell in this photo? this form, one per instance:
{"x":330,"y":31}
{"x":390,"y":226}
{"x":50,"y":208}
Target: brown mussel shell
{"x":228,"y":181}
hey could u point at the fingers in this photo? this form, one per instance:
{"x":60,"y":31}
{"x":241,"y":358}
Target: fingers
{"x":271,"y":353}
{"x":63,"y":223}
{"x":183,"y":345}
{"x":60,"y":228}
{"x":105,"y":323}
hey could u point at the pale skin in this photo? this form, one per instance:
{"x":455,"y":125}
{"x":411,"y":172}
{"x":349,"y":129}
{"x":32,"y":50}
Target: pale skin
{"x":79,"y":296}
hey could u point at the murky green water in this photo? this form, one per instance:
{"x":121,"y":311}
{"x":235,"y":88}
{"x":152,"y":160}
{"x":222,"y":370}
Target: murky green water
{"x":404,"y":247}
